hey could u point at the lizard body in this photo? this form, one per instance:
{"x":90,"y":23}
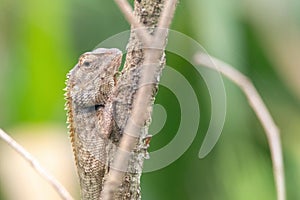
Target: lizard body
{"x":89,"y":95}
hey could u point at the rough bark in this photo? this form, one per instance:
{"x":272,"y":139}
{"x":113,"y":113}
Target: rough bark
{"x":148,"y":13}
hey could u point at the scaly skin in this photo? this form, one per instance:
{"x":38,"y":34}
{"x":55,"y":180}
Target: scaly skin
{"x":89,"y":95}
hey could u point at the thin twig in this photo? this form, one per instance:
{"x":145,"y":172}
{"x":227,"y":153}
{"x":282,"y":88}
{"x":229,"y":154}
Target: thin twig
{"x":63,"y":193}
{"x":140,"y":29}
{"x":261,"y":111}
{"x":163,"y":26}
{"x":127,"y":11}
{"x":167,"y":15}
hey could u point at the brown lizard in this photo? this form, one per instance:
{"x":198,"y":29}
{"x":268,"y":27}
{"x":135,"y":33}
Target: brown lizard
{"x":89,"y":95}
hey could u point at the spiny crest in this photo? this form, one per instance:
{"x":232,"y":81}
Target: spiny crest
{"x":69,"y":109}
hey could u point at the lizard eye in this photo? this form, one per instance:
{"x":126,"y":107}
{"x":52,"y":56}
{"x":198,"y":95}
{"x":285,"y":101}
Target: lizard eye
{"x":85,"y":60}
{"x":86,"y":63}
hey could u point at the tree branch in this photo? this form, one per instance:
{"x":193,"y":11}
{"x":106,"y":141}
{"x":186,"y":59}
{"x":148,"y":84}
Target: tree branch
{"x":261,"y":111}
{"x":63,"y":193}
{"x":145,"y":59}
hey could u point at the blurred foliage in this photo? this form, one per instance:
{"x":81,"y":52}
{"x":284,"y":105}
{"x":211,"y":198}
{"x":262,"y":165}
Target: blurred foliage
{"x":40,"y":41}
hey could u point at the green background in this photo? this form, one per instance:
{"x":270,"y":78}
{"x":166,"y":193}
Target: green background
{"x":40,"y":41}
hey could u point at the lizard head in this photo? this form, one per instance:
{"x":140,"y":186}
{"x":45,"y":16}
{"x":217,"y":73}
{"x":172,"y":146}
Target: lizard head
{"x":92,"y":79}
{"x":100,"y":63}
{"x":96,"y":67}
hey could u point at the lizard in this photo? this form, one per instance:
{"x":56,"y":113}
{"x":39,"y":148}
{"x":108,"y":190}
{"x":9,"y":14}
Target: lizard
{"x":89,"y":104}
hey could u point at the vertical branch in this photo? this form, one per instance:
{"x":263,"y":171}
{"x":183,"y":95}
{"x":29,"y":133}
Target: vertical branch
{"x":135,"y":94}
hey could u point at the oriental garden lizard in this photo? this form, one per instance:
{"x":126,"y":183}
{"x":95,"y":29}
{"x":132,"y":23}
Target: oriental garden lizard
{"x":89,"y":104}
